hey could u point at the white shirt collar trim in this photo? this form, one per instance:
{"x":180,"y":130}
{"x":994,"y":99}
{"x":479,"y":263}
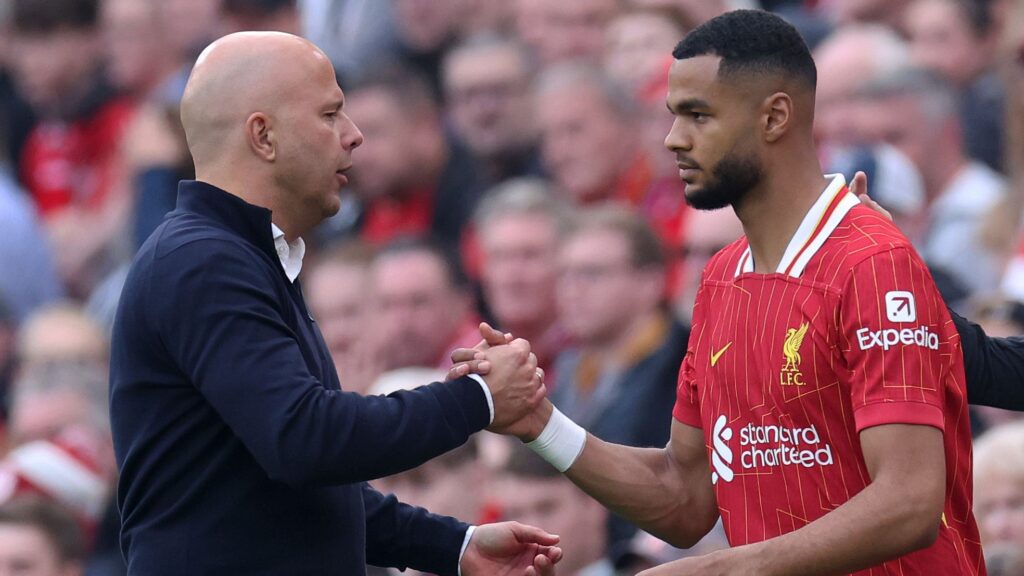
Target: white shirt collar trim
{"x":817,"y":225}
{"x":290,"y":254}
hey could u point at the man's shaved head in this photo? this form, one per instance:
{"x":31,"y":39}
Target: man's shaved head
{"x":263,"y":116}
{"x":236,"y":76}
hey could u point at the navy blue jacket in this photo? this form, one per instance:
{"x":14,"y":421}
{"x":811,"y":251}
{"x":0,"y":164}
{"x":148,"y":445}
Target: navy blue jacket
{"x":238,"y":451}
{"x":994,"y":367}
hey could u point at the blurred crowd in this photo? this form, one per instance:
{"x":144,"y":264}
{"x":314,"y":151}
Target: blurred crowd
{"x":513,"y":171}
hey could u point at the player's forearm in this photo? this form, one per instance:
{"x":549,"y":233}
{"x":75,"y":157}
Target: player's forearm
{"x":649,"y":488}
{"x":881,"y":523}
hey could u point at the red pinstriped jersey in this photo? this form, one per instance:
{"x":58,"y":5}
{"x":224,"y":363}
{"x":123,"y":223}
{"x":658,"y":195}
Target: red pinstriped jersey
{"x":784,"y":370}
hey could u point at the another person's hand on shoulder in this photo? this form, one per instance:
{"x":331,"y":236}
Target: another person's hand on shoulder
{"x":510,"y":549}
{"x":859,"y":188}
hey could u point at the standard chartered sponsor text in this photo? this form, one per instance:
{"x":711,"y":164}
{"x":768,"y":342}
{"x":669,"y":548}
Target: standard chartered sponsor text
{"x":772,"y":445}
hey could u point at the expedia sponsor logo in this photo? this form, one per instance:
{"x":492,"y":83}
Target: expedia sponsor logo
{"x":900,"y":306}
{"x":767,"y":446}
{"x":885,"y":339}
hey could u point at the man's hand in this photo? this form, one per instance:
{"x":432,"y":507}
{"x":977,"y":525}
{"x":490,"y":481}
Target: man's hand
{"x":510,"y":549}
{"x":515,"y":382}
{"x":473,"y":360}
{"x":859,"y":187}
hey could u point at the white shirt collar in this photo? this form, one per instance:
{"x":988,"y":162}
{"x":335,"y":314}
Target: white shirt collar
{"x":818,"y":224}
{"x":290,"y":254}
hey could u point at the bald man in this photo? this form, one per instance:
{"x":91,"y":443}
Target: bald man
{"x":239,"y":453}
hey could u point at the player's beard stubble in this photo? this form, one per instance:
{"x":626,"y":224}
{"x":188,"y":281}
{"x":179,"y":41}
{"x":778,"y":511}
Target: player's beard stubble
{"x":731,"y":179}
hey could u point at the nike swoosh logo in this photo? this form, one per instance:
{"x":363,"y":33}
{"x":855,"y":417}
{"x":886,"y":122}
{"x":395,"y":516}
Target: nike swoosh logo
{"x":716,"y":355}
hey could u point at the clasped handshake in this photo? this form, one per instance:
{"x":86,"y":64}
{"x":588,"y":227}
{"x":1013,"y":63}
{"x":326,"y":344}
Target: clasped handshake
{"x":511,"y":373}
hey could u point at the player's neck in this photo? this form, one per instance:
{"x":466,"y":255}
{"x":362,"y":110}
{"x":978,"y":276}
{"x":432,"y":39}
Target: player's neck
{"x":772,"y":212}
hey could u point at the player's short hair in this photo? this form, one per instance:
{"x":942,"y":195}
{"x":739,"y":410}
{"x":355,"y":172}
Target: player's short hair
{"x":751,"y":42}
{"x":56,"y":523}
{"x":38,"y":17}
{"x":646,"y":249}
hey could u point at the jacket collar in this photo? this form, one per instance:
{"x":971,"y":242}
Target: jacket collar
{"x":236,"y":215}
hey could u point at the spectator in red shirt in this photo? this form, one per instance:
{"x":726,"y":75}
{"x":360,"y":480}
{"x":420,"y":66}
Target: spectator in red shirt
{"x":69,"y":163}
{"x":410,"y":179}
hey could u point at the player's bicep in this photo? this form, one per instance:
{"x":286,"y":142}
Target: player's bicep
{"x":687,"y":449}
{"x":910,"y":461}
{"x":687,"y":477}
{"x":689,"y":470}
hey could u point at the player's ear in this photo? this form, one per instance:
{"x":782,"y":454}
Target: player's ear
{"x":776,"y":116}
{"x":260,"y":133}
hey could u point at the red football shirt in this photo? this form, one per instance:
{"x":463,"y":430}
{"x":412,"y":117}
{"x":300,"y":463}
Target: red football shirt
{"x":784,"y":370}
{"x":75,"y":164}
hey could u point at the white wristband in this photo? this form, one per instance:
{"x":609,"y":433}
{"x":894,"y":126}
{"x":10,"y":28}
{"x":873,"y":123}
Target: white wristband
{"x":561,"y":442}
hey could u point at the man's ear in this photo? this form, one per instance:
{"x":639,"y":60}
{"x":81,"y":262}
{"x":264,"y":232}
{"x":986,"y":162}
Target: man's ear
{"x":777,"y":115}
{"x":260,"y":133}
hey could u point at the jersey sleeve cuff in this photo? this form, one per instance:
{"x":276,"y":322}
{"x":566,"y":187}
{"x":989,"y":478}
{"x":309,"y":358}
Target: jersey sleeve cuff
{"x":689,"y":415}
{"x":917,"y":413}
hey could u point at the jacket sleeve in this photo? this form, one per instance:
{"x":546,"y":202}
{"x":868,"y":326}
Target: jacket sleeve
{"x":402,"y":536}
{"x":220,"y":318}
{"x":994,"y":366}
